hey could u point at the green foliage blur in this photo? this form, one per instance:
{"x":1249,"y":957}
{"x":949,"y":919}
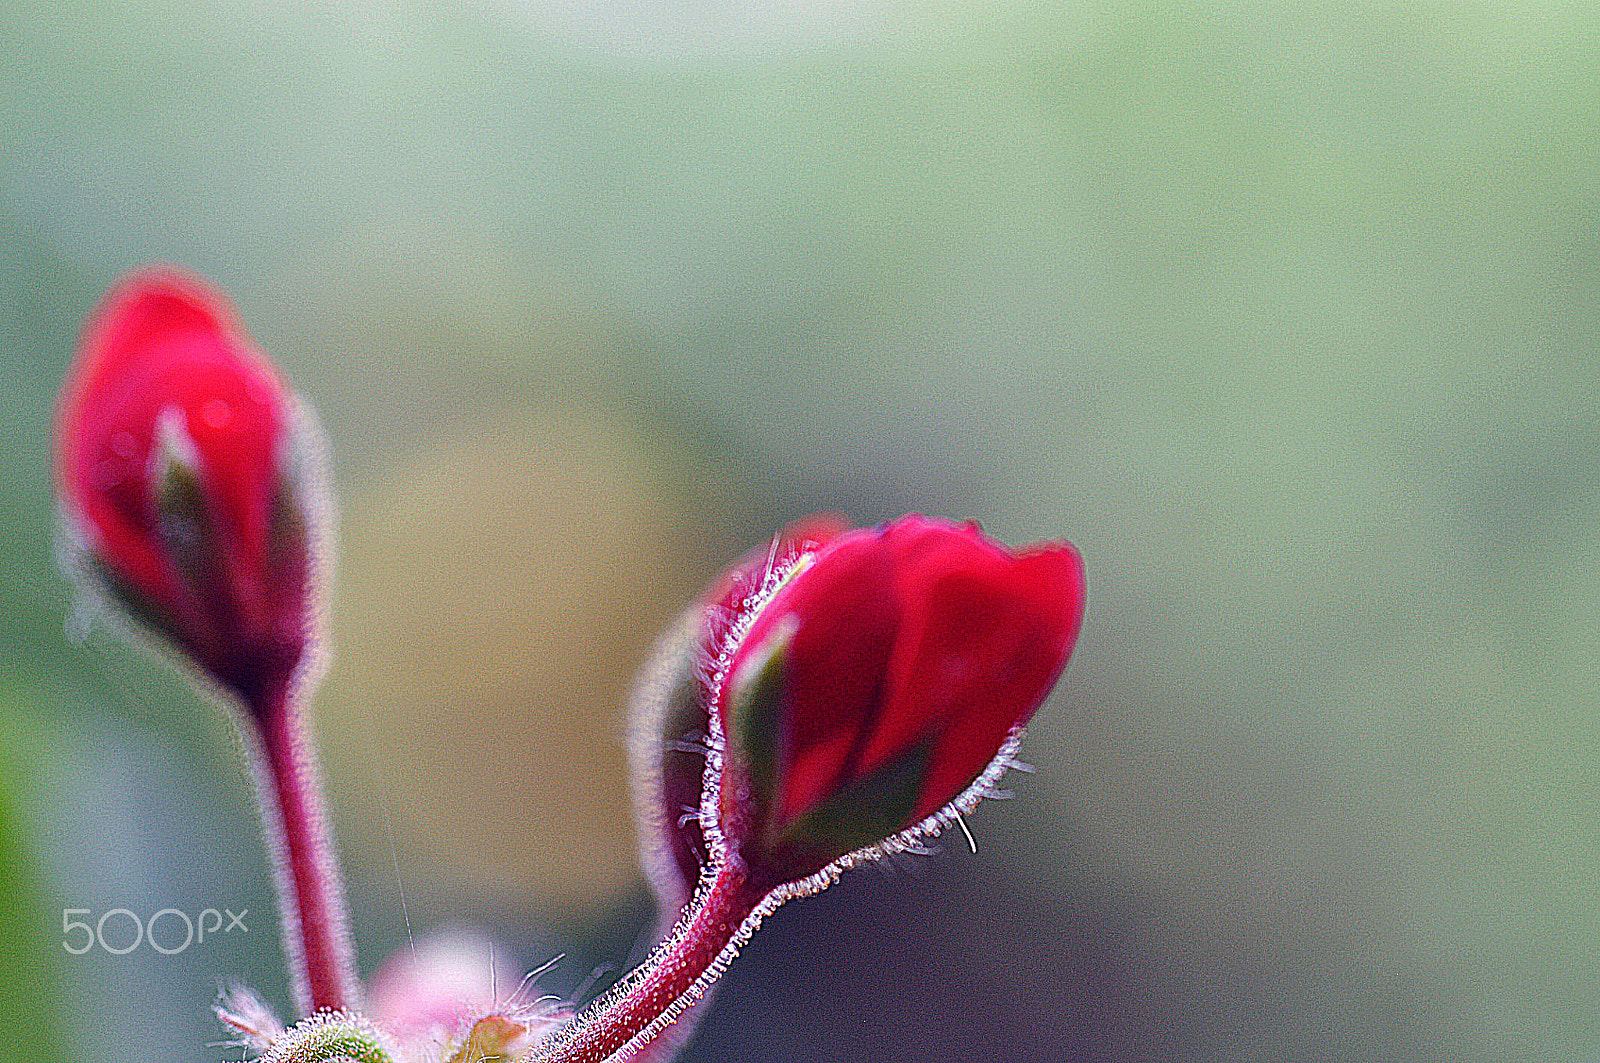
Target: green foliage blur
{"x":1287,"y":314}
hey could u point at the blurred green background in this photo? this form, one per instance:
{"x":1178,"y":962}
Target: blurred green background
{"x":1288,"y":315}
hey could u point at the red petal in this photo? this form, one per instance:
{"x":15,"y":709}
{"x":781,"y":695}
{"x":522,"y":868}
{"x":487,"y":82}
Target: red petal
{"x":1035,"y":613}
{"x":957,"y":625}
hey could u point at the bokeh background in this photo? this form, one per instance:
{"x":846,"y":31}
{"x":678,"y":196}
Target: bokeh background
{"x":1287,"y":314}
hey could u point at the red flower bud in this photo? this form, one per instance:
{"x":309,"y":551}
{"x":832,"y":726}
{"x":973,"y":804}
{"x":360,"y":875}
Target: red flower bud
{"x":862,"y":689}
{"x":194,"y":495}
{"x":186,"y":479}
{"x":863,"y":700}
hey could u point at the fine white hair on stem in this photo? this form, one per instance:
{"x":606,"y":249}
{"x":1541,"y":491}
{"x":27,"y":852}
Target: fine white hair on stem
{"x":910,"y":840}
{"x":328,"y":878}
{"x":972,"y":843}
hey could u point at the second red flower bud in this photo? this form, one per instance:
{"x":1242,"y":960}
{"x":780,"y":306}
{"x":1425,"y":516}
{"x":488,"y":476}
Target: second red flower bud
{"x":863,"y":697}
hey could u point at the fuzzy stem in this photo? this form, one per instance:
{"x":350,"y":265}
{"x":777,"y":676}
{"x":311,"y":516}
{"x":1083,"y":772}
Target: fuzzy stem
{"x":673,"y":977}
{"x":310,"y":893}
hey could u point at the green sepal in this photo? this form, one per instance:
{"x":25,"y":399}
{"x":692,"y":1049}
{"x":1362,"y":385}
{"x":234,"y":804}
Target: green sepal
{"x":755,"y":710}
{"x":178,"y":494}
{"x":865,"y":811}
{"x":118,"y":590}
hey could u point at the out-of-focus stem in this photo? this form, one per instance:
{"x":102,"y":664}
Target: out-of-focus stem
{"x":669,"y":977}
{"x":316,"y":938}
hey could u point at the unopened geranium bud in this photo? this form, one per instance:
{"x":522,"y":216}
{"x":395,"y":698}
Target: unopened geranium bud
{"x":194,"y":496}
{"x":190,"y":484}
{"x":863,"y":692}
{"x":868,"y":696}
{"x":455,"y":987}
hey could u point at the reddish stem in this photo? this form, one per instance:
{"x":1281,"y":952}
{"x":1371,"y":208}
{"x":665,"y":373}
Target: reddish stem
{"x":310,"y":893}
{"x":715,"y":923}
